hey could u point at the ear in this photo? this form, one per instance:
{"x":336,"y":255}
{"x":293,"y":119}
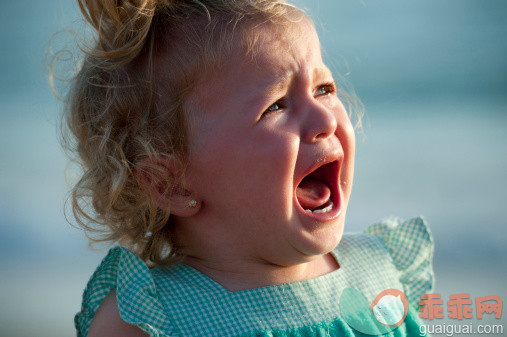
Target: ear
{"x":160,"y":178}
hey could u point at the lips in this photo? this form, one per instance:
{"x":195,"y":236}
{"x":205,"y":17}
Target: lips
{"x":318,"y":191}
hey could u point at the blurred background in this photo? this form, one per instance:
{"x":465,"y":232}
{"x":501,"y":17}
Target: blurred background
{"x":432,"y":75}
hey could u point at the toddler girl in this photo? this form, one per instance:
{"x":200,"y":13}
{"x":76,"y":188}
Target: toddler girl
{"x":217,"y":153}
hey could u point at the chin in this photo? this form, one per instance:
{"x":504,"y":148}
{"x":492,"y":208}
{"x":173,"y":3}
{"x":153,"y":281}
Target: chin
{"x":322,"y":241}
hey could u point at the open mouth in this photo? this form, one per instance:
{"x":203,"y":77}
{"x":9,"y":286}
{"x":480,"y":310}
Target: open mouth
{"x":317,"y":193}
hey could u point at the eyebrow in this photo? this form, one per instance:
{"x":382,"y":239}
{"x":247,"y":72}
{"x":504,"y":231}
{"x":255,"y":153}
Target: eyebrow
{"x":280,"y":83}
{"x":322,"y":72}
{"x":286,"y":78}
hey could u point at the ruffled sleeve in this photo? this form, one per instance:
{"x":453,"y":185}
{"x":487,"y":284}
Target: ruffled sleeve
{"x":411,"y":247}
{"x":136,"y":294}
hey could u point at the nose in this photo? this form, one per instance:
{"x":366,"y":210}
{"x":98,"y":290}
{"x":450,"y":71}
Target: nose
{"x":320,"y":123}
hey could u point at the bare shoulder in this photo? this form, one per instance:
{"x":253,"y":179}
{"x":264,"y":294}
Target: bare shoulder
{"x":107,"y":321}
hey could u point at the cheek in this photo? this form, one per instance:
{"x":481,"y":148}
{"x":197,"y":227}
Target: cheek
{"x":275,"y":151}
{"x":211,"y":153}
{"x":253,"y":165}
{"x":346,"y":135}
{"x":345,"y":130}
{"x":270,"y":159}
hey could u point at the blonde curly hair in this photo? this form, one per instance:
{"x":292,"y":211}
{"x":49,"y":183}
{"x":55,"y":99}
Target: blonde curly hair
{"x":125,"y":105}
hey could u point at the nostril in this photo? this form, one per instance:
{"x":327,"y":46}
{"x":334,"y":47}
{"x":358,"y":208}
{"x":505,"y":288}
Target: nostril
{"x":321,"y":136}
{"x":319,"y":133}
{"x":320,"y":123}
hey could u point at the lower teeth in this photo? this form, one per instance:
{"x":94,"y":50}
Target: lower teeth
{"x":322,"y":210}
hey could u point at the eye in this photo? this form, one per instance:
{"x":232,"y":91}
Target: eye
{"x":328,"y":88}
{"x":274,"y":107}
{"x":278,"y":105}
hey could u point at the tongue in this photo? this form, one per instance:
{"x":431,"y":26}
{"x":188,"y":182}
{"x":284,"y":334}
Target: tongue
{"x":312,"y":193}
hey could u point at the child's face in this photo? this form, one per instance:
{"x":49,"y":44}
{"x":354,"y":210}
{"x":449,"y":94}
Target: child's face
{"x":265,"y":125}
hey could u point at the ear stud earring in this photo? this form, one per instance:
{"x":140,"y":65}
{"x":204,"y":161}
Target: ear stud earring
{"x":192,"y":204}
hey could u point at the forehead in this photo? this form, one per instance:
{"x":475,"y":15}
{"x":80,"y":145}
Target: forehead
{"x":280,"y":48}
{"x":266,"y":57}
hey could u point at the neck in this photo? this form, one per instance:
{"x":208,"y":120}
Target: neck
{"x":258,"y":273}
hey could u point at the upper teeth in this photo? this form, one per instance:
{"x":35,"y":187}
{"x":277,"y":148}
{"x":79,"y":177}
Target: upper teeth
{"x":322,"y":210}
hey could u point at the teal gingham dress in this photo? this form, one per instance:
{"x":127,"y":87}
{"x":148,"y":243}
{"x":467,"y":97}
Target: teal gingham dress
{"x":178,"y":300}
